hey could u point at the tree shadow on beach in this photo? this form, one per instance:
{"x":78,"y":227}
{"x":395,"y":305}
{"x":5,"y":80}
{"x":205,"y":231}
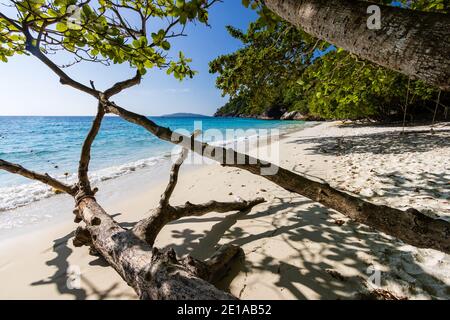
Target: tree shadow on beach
{"x":436,"y":184}
{"x":402,"y":146}
{"x":317,"y":247}
{"x":388,"y":142}
{"x":61,"y":276}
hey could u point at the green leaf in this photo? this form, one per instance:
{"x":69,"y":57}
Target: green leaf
{"x":61,"y":27}
{"x":165,"y":45}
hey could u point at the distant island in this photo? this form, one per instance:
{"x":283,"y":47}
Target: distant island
{"x":184,"y":115}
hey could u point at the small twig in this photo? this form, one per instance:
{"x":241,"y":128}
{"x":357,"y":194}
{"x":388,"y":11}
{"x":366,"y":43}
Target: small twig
{"x":406,"y":105}
{"x":164,"y":202}
{"x":435,"y":110}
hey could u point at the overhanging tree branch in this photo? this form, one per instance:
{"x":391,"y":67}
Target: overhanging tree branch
{"x":411,"y":226}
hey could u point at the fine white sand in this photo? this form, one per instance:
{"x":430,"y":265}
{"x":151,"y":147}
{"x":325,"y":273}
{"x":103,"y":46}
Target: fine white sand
{"x":294,"y":248}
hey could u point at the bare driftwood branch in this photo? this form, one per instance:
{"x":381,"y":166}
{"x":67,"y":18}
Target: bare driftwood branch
{"x":410,"y":226}
{"x":83,"y":179}
{"x":155,"y":274}
{"x":148,"y":229}
{"x":152,"y":273}
{"x":164,"y":202}
{"x":197,"y":210}
{"x":44,"y":178}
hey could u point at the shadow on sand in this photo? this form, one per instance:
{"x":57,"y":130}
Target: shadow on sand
{"x":306,"y":229}
{"x":297,"y":223}
{"x":63,"y":275}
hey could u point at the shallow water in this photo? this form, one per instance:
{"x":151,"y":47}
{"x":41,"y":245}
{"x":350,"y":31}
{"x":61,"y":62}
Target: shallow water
{"x":53,"y":144}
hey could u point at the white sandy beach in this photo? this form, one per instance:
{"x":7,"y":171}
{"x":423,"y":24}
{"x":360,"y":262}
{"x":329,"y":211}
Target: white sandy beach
{"x":294,"y":248}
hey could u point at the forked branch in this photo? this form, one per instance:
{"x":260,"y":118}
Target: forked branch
{"x":164,"y":202}
{"x":148,"y":229}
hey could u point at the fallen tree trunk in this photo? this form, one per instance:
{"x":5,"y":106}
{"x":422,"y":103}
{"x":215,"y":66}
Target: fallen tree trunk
{"x":410,"y":226}
{"x":152,"y":273}
{"x":412,"y":42}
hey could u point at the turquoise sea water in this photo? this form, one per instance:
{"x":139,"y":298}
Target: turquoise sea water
{"x":52,"y":145}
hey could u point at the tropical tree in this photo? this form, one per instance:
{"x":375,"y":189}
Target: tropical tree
{"x":331,"y":84}
{"x":270,"y":61}
{"x":409,"y":41}
{"x":341,"y":86}
{"x":103,"y":32}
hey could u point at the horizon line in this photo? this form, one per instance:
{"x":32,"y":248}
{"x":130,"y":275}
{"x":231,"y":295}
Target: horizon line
{"x":106,"y":116}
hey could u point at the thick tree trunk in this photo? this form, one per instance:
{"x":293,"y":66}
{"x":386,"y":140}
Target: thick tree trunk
{"x":414,"y":43}
{"x":152,"y":273}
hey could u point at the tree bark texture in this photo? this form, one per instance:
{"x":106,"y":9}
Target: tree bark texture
{"x":152,"y":273}
{"x":412,"y":42}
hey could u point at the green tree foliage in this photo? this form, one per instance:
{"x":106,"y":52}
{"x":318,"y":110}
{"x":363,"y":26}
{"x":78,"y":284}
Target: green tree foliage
{"x":105,"y":31}
{"x":339,"y":85}
{"x":258,"y":72}
{"x":318,"y":80}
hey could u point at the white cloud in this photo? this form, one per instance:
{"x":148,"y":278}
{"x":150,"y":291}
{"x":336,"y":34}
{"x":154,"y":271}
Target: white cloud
{"x":182,"y":90}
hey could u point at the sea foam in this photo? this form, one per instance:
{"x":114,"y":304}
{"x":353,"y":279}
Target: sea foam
{"x":25,"y":194}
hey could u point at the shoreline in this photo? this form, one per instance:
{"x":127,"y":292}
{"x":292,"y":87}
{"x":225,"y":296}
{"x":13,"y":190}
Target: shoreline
{"x":294,"y":248}
{"x":22,"y":192}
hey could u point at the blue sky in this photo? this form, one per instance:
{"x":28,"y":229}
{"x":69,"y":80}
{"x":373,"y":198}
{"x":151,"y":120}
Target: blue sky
{"x":27,"y":87}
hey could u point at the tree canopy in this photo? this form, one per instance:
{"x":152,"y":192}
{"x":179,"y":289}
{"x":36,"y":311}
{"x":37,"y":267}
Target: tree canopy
{"x":283,"y":67}
{"x":136,"y":32}
{"x":269,"y":60}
